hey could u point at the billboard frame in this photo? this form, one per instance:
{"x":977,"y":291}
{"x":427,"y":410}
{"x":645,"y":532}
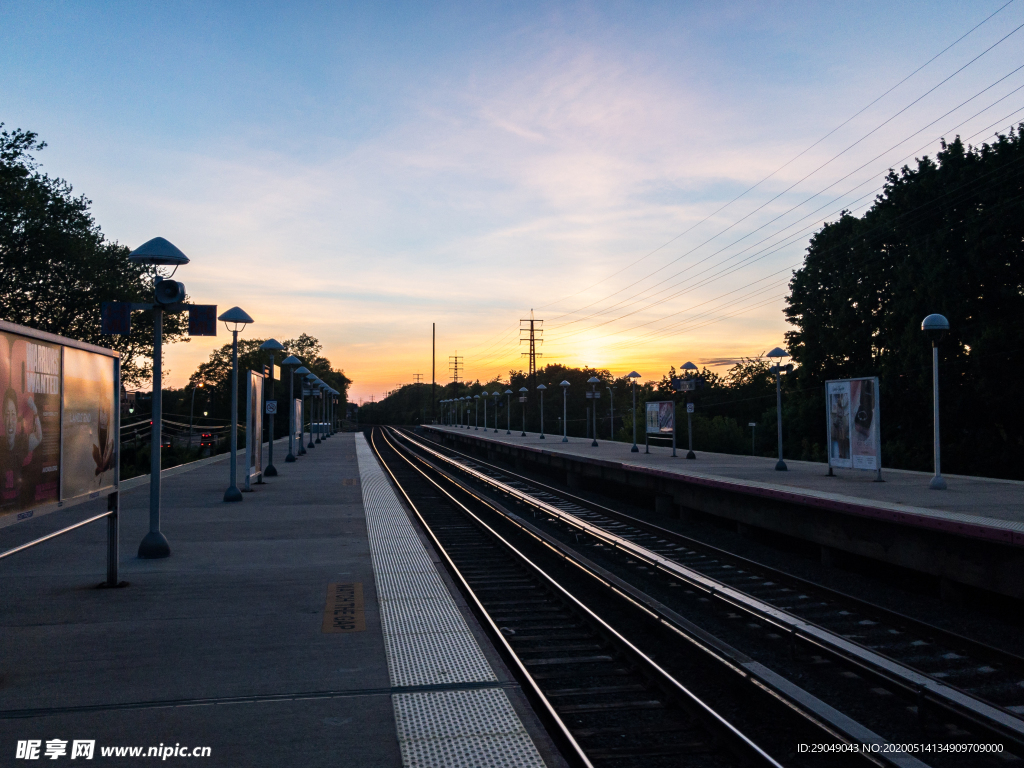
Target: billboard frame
{"x":253,"y":431}
{"x":659,"y":434}
{"x":113,"y":497}
{"x":876,"y":418}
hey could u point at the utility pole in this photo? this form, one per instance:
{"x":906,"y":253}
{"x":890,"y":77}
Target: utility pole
{"x":454,"y":364}
{"x":417,"y":378}
{"x":433,"y":365}
{"x":534,"y":334}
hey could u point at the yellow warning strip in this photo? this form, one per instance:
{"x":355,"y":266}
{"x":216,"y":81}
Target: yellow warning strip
{"x":344,"y":611}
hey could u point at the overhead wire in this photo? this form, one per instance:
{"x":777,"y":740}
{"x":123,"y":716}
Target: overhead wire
{"x":798,"y":156}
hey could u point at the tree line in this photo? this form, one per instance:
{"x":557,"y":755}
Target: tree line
{"x":944,"y":236}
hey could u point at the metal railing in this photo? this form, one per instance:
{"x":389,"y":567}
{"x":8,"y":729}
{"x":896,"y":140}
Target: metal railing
{"x":113,"y":507}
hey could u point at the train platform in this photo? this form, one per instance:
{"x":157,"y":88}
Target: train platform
{"x":981,"y":511}
{"x":307,"y":625}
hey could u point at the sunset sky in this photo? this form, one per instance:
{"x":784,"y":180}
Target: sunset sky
{"x":357,"y":171}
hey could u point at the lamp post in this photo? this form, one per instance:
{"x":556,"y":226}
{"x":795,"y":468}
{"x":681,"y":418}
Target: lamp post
{"x":271,"y":346}
{"x":688,"y":367}
{"x":311,"y":379}
{"x":593,"y":381}
{"x":292,"y":361}
{"x":508,"y":416}
{"x":191,"y":413}
{"x":541,"y":387}
{"x":476,"y":415}
{"x":634,"y":376}
{"x":753,"y":437}
{"x":779,"y":353}
{"x":235,"y":319}
{"x":496,"y":394}
{"x":611,"y":413}
{"x":522,"y":394}
{"x":303,"y":372}
{"x":484,"y":398}
{"x":462,"y":412}
{"x":936,"y":326}
{"x":565,"y":411}
{"x":321,"y":423}
{"x":316,"y":393}
{"x":156,"y":253}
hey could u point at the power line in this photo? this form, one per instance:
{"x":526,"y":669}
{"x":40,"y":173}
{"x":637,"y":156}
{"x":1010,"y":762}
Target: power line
{"x":781,"y":215}
{"x":820,"y":167}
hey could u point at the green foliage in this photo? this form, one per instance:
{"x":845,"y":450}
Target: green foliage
{"x":56,"y":267}
{"x":214,"y":376}
{"x":945,"y":237}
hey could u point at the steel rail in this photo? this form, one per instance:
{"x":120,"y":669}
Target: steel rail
{"x":806,"y":705}
{"x":697,"y":706}
{"x":561,"y":731}
{"x":952,"y":637}
{"x":909,"y":679}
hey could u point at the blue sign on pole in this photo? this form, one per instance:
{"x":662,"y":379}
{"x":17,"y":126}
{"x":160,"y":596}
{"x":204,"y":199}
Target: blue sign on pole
{"x":115,"y":317}
{"x":202,"y":320}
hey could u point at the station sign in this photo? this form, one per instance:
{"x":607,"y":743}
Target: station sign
{"x":202,"y":320}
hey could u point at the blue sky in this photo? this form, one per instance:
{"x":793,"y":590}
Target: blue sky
{"x":358,"y":171}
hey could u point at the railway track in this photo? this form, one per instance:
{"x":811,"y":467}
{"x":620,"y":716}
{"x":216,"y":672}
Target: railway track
{"x":890,"y":672}
{"x":560,"y":622}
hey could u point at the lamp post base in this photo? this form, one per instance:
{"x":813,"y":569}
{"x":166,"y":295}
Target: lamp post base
{"x":302,"y":451}
{"x":154,"y":546}
{"x":691,"y":455}
{"x":270,"y":471}
{"x":780,"y":466}
{"x":594,"y":444}
{"x":634,"y":449}
{"x":565,"y":439}
{"x":311,"y":444}
{"x":232,"y":494}
{"x":938,"y":483}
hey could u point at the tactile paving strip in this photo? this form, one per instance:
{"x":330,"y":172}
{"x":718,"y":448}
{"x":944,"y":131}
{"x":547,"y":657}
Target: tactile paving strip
{"x":428,"y":643}
{"x":474,"y":729}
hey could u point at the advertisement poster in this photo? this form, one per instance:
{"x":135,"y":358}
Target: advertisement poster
{"x":839,"y":423}
{"x":254,"y":427}
{"x":661,"y":418}
{"x":88,"y":423}
{"x":854,"y":437}
{"x":30,"y":448}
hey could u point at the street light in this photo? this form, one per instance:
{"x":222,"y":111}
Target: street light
{"x":318,"y":386}
{"x":496,"y":394}
{"x":936,"y":326}
{"x":688,"y":367}
{"x":522,"y":394}
{"x":292,"y":361}
{"x":156,"y":253}
{"x":634,"y":376}
{"x":565,"y":411}
{"x":541,"y":387}
{"x":476,"y":415}
{"x":779,"y":353}
{"x":484,"y":398}
{"x":593,"y":381}
{"x":611,"y":413}
{"x":310,"y":377}
{"x":271,"y":346}
{"x":462,"y":413}
{"x":508,"y":416}
{"x":235,"y":319}
{"x":191,"y":413}
{"x":302,"y":372}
